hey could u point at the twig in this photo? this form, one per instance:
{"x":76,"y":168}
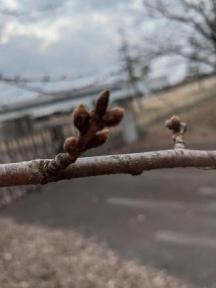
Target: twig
{"x":31,"y":172}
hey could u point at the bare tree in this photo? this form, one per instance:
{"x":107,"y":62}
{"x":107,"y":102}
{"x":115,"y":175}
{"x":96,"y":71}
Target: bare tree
{"x":132,"y":65}
{"x":128,"y":66}
{"x":189,"y":30}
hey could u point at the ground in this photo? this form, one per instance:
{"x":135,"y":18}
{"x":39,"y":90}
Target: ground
{"x":162,"y":220}
{"x":38,"y":257}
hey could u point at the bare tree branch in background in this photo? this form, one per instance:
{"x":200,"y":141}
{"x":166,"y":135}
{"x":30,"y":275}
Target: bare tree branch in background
{"x":196,"y":20}
{"x":128,"y":66}
{"x":135,"y":68}
{"x":34,"y":84}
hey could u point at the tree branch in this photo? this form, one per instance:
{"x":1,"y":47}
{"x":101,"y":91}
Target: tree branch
{"x":197,"y":18}
{"x":33,"y":172}
{"x":92,"y":134}
{"x":183,"y":18}
{"x":25,"y":83}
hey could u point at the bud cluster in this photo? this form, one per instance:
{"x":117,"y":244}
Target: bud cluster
{"x":92,"y":127}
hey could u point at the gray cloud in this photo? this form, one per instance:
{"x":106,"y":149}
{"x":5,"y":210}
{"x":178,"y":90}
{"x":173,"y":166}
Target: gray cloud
{"x":88,"y":47}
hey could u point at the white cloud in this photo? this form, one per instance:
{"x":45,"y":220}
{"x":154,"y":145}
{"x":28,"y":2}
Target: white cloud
{"x":10,"y":4}
{"x":48,"y":32}
{"x":137,"y":4}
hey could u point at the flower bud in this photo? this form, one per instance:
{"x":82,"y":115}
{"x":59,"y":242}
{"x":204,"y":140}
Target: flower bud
{"x":70,"y":144}
{"x":99,"y":139}
{"x":81,"y":119}
{"x":102,"y":103}
{"x":174,"y":124}
{"x":113,"y":117}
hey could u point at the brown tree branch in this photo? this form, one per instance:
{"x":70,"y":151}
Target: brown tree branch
{"x":32,"y":172}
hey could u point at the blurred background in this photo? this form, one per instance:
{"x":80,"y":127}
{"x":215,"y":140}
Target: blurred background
{"x":158,"y":58}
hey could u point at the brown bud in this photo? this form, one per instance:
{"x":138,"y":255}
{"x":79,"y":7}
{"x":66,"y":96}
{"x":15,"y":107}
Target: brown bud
{"x":81,"y":119}
{"x":70,"y":144}
{"x":99,"y":139}
{"x":174,"y":124}
{"x":102,"y":103}
{"x":113,"y":117}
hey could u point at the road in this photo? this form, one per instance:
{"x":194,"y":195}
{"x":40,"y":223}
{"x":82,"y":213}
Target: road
{"x":165,"y":219}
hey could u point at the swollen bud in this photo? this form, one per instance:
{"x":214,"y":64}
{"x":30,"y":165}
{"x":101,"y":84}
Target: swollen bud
{"x":174,"y":124}
{"x":102,"y":103}
{"x":99,"y":139}
{"x":81,"y":119}
{"x":70,"y":144}
{"x":113,"y":117}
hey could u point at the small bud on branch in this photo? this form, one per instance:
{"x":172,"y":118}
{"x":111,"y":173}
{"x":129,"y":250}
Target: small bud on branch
{"x":70,"y":144}
{"x":81,"y":119}
{"x":178,"y":128}
{"x":113,"y":117}
{"x":99,"y":139}
{"x":102,"y":103}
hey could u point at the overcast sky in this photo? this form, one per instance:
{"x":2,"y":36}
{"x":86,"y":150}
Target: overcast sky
{"x":68,"y":37}
{"x":57,"y":37}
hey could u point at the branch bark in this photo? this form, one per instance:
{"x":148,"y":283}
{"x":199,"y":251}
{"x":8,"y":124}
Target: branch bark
{"x":34,"y":172}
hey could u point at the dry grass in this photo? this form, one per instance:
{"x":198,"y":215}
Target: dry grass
{"x":36,"y":257}
{"x":202,"y":116}
{"x":175,"y":99}
{"x":201,"y":122}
